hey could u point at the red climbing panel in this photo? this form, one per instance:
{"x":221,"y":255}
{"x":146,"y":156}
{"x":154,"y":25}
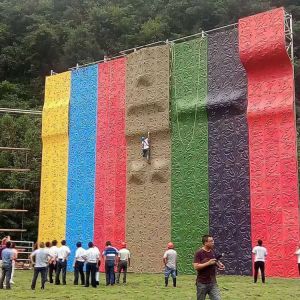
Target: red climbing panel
{"x":110,"y":202}
{"x":272,"y":140}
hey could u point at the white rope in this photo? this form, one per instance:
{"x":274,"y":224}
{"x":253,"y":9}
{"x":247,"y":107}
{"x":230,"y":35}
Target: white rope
{"x":173,"y":58}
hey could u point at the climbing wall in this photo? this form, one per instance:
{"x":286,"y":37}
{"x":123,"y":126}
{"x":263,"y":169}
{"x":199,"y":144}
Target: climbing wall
{"x":272,"y":139}
{"x":148,"y":184}
{"x":82,"y":157}
{"x":52,"y":217}
{"x":189,"y":149}
{"x":223,"y":150}
{"x":110,"y":200}
{"x":228,"y":159}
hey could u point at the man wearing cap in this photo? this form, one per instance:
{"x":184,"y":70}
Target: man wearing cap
{"x":123,"y":262}
{"x":170,"y":262}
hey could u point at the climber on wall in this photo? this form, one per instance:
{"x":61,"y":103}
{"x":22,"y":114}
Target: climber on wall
{"x":146,"y":146}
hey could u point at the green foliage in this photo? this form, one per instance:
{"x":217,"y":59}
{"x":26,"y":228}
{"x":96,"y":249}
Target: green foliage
{"x":37,"y":36}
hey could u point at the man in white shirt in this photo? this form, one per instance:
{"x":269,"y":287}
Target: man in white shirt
{"x":145,"y":147}
{"x":170,"y":262}
{"x":123,"y":262}
{"x":41,"y":257}
{"x":298,"y":257}
{"x":79,"y":264}
{"x":92,"y":256}
{"x":63,"y":253}
{"x":260,"y":253}
{"x":52,"y":263}
{"x":47,"y":248}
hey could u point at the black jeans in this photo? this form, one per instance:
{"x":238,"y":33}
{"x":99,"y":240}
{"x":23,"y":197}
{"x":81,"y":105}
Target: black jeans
{"x":122,"y":266}
{"x":6,"y":274}
{"x":79,"y":270}
{"x":52,"y":268}
{"x":61,"y":266}
{"x":91,"y":269}
{"x":43,"y":271}
{"x":259,"y":265}
{"x":110,"y":272}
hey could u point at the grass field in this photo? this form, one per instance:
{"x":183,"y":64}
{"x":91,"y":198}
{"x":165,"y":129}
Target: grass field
{"x":152,"y":287}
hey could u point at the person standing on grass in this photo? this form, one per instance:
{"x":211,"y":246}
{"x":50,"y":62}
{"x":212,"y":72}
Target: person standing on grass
{"x":170,"y":262}
{"x":91,"y":256}
{"x":298,"y":257}
{"x":2,"y":247}
{"x":110,"y":255}
{"x":98,"y":266}
{"x":205,"y":263}
{"x":260,"y":253}
{"x":123,"y":262}
{"x":47,"y":248}
{"x":63,"y":253}
{"x":40,"y":259}
{"x":15,"y":251}
{"x":7,"y":257}
{"x":79,"y":264}
{"x":52,"y":263}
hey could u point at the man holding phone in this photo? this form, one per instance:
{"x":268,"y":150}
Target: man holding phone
{"x":205,"y":263}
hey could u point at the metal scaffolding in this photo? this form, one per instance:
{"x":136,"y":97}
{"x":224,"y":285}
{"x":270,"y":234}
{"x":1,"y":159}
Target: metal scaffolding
{"x":15,"y":190}
{"x":20,"y":111}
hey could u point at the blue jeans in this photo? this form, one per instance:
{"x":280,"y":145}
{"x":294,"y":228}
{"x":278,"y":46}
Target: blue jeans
{"x":110,"y":272}
{"x":6,"y":274}
{"x":210,"y":289}
{"x":169,"y":271}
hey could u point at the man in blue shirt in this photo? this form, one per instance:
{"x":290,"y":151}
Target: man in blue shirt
{"x":110,"y":258}
{"x":7,"y":257}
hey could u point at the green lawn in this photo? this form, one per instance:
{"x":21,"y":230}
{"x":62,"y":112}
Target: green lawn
{"x":152,"y":287}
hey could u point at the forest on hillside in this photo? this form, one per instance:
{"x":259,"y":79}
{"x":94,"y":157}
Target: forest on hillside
{"x":37,"y":36}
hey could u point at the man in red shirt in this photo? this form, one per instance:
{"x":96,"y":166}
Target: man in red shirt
{"x":205,"y":263}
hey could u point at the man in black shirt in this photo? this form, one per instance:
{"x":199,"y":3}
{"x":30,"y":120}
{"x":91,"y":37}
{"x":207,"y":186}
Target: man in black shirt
{"x":205,"y":263}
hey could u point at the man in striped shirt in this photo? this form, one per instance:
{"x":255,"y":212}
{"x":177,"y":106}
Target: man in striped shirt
{"x":110,"y":255}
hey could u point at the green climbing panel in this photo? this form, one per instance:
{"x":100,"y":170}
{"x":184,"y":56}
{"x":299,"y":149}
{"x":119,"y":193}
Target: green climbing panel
{"x":190,"y":206}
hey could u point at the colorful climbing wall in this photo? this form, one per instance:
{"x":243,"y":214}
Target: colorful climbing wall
{"x":228,"y":155}
{"x":55,"y":122}
{"x":82,"y":156}
{"x":110,"y":198}
{"x":219,"y":113}
{"x":272,"y":139}
{"x":148,"y":205}
{"x":189,"y":148}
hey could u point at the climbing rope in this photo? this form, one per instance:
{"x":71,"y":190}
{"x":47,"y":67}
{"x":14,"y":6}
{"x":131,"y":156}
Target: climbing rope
{"x":173,"y":59}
